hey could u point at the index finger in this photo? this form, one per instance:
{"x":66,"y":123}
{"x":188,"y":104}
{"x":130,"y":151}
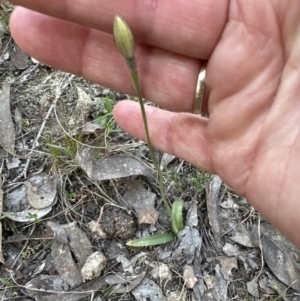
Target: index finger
{"x":190,"y":28}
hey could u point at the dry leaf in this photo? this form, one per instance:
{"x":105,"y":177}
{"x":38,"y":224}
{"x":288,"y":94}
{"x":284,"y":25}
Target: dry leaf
{"x":19,"y":59}
{"x":278,"y":255}
{"x":41,"y":191}
{"x":252,"y":288}
{"x":91,"y":128}
{"x":148,"y":291}
{"x":18,"y":209}
{"x":165,"y":160}
{"x":227,"y":264}
{"x":242,"y":236}
{"x":114,"y":167}
{"x":142,"y":201}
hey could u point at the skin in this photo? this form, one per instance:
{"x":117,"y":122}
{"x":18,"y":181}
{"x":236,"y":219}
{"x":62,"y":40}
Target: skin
{"x":251,"y":139}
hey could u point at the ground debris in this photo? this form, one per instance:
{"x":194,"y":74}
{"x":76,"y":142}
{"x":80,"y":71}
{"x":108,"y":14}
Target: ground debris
{"x":216,"y":287}
{"x":32,"y":200}
{"x":148,"y":291}
{"x":242,"y":236}
{"x":251,"y":261}
{"x":93,"y":128}
{"x":278,"y":255}
{"x":230,"y":249}
{"x":113,"y":167}
{"x":189,"y":241}
{"x":41,"y":190}
{"x":165,"y":160}
{"x":227,"y":265}
{"x":96,"y":228}
{"x":252,"y":288}
{"x":93,"y":266}
{"x":278,"y":286}
{"x":189,"y":276}
{"x":79,"y":116}
{"x":161,"y":271}
{"x":1,"y":206}
{"x":117,"y":223}
{"x":7,"y":132}
{"x":264,"y":284}
{"x":142,"y":201}
{"x":44,"y":283}
{"x":52,"y":288}
{"x":69,"y":241}
{"x":213,"y":208}
{"x":18,"y":59}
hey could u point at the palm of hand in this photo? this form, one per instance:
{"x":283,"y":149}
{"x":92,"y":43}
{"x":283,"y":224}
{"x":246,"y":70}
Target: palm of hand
{"x":251,"y":138}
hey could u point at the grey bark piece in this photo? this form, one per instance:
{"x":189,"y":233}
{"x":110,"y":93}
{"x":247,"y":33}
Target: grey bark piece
{"x":64,"y":264}
{"x":192,"y":216}
{"x":148,"y":291}
{"x":7,"y":132}
{"x":213,"y":208}
{"x":69,"y":241}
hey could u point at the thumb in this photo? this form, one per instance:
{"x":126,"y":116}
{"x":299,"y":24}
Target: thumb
{"x":180,"y":134}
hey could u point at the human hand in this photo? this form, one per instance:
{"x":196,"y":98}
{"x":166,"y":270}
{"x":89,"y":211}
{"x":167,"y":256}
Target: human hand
{"x":252,"y":136}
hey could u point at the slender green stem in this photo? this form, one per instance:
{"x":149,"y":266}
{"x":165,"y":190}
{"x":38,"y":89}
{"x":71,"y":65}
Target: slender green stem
{"x":136,"y":83}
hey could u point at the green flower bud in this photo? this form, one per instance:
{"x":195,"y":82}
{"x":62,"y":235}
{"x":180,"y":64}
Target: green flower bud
{"x":123,"y":38}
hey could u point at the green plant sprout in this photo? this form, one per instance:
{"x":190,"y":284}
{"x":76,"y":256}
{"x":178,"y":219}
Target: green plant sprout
{"x":125,"y":43}
{"x":106,"y":119}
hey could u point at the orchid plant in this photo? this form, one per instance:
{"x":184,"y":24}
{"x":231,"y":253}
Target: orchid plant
{"x":125,"y":43}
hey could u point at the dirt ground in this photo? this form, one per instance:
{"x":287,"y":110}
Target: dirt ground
{"x":75,"y":188}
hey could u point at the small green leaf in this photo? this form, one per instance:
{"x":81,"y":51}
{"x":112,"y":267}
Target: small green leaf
{"x":108,"y":105}
{"x":177,"y":224}
{"x":6,"y":282}
{"x":151,"y":240}
{"x":60,"y":148}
